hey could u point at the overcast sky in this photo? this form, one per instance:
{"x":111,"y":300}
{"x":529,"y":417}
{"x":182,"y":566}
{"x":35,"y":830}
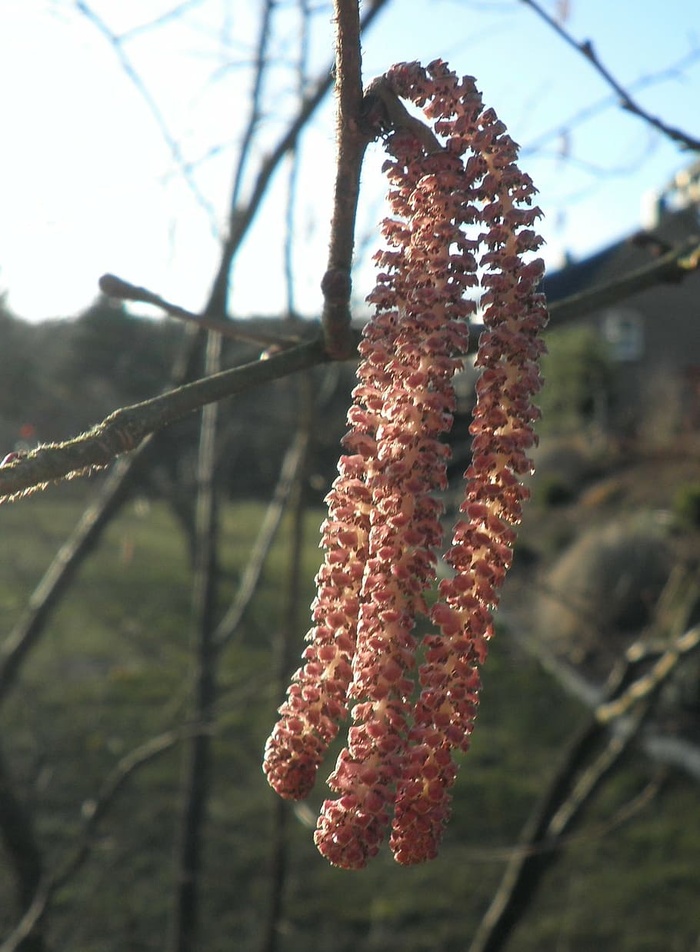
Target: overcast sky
{"x":90,"y":185}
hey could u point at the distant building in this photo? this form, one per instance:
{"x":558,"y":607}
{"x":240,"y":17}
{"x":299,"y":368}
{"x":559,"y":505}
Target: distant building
{"x":653,"y":336}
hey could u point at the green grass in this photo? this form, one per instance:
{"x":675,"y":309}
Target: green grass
{"x":114,"y":668}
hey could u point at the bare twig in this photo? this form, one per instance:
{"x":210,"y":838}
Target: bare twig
{"x":166,"y":17}
{"x":197,"y":778}
{"x":289,"y":231}
{"x":22,"y":851}
{"x":396,"y":116}
{"x":594,"y":108}
{"x":289,"y":626}
{"x":254,"y":112}
{"x":578,"y":777}
{"x":645,"y":686}
{"x":173,"y":145}
{"x":121,"y":290}
{"x":125,"y":428}
{"x":229,"y":624}
{"x":60,"y":573}
{"x":587,"y":50}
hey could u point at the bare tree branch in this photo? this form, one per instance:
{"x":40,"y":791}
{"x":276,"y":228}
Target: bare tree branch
{"x":352,"y":142}
{"x":197,"y":779}
{"x":594,"y":108}
{"x":228,"y":627}
{"x":587,"y":50}
{"x":60,"y":573}
{"x":121,"y":290}
{"x":242,"y":217}
{"x":254,"y":112}
{"x":578,"y":777}
{"x":163,"y":18}
{"x":22,"y":849}
{"x":281,"y":660}
{"x":124,"y":429}
{"x":116,"y":42}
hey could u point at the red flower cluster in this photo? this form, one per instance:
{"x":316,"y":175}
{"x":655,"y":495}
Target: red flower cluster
{"x":383,"y":532}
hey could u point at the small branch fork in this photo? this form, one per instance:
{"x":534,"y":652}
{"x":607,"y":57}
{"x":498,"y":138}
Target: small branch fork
{"x":587,"y":50}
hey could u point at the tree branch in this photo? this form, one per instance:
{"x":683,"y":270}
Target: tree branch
{"x":289,"y":474}
{"x":124,"y":429}
{"x":587,"y":50}
{"x":352,"y":142}
{"x":196,"y":787}
{"x":242,"y":218}
{"x":93,"y":811}
{"x":578,"y":777}
{"x":121,"y":290}
{"x":117,"y":44}
{"x":22,"y":849}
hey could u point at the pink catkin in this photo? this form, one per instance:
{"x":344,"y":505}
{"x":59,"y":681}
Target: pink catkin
{"x":481,"y":552}
{"x":317,"y":698}
{"x":383,"y":531}
{"x":406,"y":401}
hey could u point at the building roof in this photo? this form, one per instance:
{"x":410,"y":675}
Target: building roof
{"x":623,"y":256}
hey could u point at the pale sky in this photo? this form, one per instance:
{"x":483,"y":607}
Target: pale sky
{"x":88,"y":184}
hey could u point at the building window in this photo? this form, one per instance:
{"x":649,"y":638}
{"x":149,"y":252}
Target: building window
{"x":623,"y":330}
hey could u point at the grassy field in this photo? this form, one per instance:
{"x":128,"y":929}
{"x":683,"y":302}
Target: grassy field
{"x":113,"y":669}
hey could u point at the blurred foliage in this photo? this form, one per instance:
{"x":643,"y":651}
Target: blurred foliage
{"x":579,"y":381}
{"x":686,"y":505}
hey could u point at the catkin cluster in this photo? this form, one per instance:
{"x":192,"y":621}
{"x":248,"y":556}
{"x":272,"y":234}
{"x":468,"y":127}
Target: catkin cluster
{"x":459,"y":240}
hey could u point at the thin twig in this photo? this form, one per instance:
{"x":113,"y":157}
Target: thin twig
{"x":121,"y":290}
{"x":294,"y":167}
{"x":578,"y":777}
{"x":61,"y":572}
{"x":587,"y":50}
{"x":254,"y":111}
{"x":288,"y":629}
{"x":123,"y":430}
{"x":167,"y":17}
{"x":196,"y":788}
{"x":21,"y":849}
{"x":173,"y":145}
{"x":229,"y":624}
{"x":649,"y":683}
{"x":594,"y":108}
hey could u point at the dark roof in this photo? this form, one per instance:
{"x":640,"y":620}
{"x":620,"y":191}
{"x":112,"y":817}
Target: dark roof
{"x":623,"y":256}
